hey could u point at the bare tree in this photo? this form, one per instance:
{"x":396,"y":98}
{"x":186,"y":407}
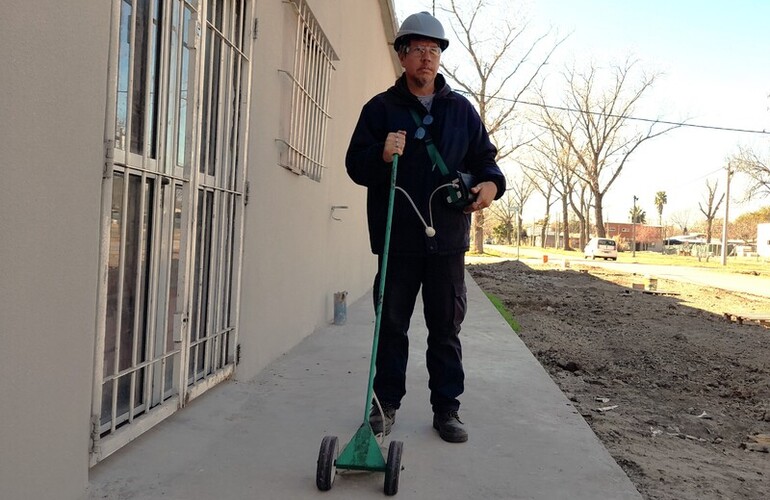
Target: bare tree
{"x":757,"y":169}
{"x":582,"y":209}
{"x":504,"y":214}
{"x":595,"y":124}
{"x":504,"y":63}
{"x":545,"y":189}
{"x":555,"y":163}
{"x":711,"y":208}
{"x":521,"y":188}
{"x":744,"y":226}
{"x":681,"y":219}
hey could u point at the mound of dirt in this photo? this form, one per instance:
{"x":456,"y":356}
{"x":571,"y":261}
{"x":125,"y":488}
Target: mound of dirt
{"x":679,"y":395}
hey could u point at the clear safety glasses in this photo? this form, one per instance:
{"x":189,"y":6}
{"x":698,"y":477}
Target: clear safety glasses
{"x":421,"y":50}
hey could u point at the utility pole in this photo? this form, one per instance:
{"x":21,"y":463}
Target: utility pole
{"x":633,"y":228}
{"x":727,"y":214}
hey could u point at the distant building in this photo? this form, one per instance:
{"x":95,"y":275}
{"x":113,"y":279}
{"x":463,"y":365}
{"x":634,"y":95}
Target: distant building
{"x":554,"y":240}
{"x":648,"y":238}
{"x":695,"y":244}
{"x":763,"y":239}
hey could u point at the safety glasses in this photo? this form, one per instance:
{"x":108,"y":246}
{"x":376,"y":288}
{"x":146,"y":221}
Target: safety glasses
{"x":421,"y":50}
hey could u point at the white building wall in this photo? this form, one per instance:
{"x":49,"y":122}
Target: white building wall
{"x":295,"y":255}
{"x":54,"y":64}
{"x":53,"y":78}
{"x":763,"y":239}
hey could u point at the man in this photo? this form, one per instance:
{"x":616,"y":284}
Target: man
{"x":420,"y":118}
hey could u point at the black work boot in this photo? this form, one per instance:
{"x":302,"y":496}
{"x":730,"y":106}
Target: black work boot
{"x":382,"y":422}
{"x":449,"y":426}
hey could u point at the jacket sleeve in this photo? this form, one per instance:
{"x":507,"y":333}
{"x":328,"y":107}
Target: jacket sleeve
{"x":363,"y":160}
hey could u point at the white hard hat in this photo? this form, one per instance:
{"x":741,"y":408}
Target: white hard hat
{"x":418,"y":25}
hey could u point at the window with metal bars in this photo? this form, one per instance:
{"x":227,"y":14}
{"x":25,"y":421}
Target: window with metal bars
{"x":167,"y":309}
{"x":314,"y":57}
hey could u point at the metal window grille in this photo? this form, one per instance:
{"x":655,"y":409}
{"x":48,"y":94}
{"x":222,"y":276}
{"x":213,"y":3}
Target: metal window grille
{"x":219,"y":196}
{"x":311,"y":75}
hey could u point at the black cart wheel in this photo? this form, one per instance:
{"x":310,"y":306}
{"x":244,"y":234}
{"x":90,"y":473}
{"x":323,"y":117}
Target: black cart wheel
{"x":393,"y":467}
{"x":327,"y":461}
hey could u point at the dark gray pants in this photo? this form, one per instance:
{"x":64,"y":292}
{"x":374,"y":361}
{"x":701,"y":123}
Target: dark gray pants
{"x":442,"y":278}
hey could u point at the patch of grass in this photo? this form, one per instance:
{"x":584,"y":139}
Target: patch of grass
{"x":487,"y":253}
{"x":505,"y":313}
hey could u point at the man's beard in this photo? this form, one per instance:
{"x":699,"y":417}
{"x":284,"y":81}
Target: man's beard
{"x":423,"y":81}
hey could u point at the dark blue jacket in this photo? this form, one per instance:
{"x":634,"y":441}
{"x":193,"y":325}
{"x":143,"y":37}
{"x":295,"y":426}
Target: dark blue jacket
{"x":463,"y":143}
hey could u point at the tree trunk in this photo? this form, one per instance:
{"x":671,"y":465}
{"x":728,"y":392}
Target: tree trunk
{"x":565,"y":219}
{"x":709,"y":227}
{"x":582,"y":222}
{"x":478,"y":231}
{"x":600,"y":231}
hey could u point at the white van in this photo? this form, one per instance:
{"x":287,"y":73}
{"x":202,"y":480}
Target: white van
{"x":601,"y":247}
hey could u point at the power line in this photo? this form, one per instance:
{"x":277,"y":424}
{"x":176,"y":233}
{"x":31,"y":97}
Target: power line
{"x":625,"y":117}
{"x":686,"y":183}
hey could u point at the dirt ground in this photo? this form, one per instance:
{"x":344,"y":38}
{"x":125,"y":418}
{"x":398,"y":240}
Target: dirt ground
{"x":672,"y":388}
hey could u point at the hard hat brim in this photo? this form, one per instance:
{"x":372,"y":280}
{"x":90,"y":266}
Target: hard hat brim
{"x":406,"y":37}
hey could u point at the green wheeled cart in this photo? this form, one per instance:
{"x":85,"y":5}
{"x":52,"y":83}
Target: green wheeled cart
{"x":363,"y":452}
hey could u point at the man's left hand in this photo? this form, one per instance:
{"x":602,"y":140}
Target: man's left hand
{"x":485,"y":194}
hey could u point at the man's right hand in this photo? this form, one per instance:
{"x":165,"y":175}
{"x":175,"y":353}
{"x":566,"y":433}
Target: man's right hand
{"x":394,"y":144}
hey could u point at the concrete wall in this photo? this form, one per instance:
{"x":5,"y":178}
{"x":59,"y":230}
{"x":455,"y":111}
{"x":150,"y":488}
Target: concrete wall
{"x":54,"y":59}
{"x":295,"y":255}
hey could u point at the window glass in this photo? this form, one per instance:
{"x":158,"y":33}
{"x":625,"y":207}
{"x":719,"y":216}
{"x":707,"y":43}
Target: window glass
{"x":234,"y":128}
{"x":219,"y":12}
{"x":185,"y":95}
{"x":124,"y":54}
{"x":214,"y":114}
{"x":173,"y":84}
{"x":206,"y":98}
{"x":155,"y":61}
{"x":201,"y":285}
{"x":176,"y":244}
{"x":113,"y":268}
{"x":138,"y":91}
{"x":238,"y":23}
{"x":130,"y":264}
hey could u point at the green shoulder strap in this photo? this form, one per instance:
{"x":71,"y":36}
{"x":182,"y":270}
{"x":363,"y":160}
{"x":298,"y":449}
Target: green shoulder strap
{"x":432,"y":151}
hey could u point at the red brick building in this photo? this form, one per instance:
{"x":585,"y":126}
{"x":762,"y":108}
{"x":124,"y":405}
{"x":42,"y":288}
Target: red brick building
{"x":647,"y":237}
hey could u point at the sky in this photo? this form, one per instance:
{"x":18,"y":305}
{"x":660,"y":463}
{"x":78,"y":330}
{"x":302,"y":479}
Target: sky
{"x":713,"y":58}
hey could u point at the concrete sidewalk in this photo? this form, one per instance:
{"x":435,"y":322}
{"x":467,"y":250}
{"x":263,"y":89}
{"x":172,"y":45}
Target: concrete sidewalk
{"x":260,"y":439}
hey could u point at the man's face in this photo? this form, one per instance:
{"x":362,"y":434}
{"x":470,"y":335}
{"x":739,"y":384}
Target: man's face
{"x":421,"y":61}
